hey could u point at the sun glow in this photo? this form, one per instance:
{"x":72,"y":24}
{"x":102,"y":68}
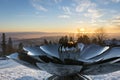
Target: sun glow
{"x":82,"y":30}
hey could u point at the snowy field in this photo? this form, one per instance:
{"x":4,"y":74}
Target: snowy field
{"x":10,"y":70}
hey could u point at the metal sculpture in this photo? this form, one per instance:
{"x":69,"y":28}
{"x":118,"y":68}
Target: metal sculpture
{"x":73,"y":63}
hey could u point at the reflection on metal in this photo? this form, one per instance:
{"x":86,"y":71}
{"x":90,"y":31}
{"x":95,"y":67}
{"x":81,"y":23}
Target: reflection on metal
{"x":71,"y":62}
{"x":71,"y":77}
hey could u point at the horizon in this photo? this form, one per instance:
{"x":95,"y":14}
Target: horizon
{"x":59,"y":15}
{"x":58,"y":32}
{"x":30,"y":35}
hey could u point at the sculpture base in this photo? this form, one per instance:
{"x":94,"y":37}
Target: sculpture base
{"x":71,"y":77}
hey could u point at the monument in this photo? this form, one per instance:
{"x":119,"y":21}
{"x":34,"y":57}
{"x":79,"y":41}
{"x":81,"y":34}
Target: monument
{"x":70,"y":63}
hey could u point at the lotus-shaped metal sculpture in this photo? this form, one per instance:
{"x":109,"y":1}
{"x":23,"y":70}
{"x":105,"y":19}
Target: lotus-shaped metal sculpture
{"x":70,"y":63}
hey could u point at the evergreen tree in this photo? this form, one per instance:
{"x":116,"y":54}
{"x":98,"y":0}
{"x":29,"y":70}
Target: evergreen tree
{"x":9,"y":46}
{"x":20,"y":47}
{"x":3,"y":44}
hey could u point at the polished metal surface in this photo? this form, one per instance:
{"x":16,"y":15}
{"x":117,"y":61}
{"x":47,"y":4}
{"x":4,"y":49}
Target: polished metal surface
{"x":84,"y":59}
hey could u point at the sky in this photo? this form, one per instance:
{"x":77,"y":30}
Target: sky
{"x":59,"y":15}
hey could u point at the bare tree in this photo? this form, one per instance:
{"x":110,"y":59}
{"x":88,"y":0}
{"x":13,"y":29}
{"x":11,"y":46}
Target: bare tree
{"x":83,"y":39}
{"x":100,"y":35}
{"x":71,"y":39}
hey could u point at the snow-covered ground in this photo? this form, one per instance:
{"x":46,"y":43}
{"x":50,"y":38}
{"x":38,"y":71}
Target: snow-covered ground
{"x":10,"y":70}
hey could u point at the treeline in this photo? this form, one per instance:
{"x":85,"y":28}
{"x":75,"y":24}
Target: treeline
{"x":82,"y":39}
{"x":99,"y":37}
{"x":7,"y":46}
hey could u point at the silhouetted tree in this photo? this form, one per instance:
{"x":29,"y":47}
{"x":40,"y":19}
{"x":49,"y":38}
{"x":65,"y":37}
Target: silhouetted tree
{"x":80,"y":39}
{"x":94,"y":40}
{"x":71,"y":39}
{"x":50,"y":42}
{"x":9,"y":46}
{"x":20,"y":47}
{"x":100,"y":35}
{"x":114,"y":40}
{"x":86,"y":39}
{"x":83,"y":39}
{"x":61,"y":40}
{"x":66,"y":39}
{"x":45,"y":41}
{"x":3,"y":44}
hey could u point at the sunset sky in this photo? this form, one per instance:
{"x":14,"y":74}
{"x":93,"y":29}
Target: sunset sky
{"x":59,"y":15}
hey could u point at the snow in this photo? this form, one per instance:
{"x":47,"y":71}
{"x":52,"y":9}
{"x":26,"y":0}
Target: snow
{"x":15,"y":71}
{"x":110,"y":76}
{"x":11,"y":70}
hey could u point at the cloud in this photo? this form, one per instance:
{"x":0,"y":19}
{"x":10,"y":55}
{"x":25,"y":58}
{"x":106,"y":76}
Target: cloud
{"x":42,"y":4}
{"x":39,"y":7}
{"x":64,"y":16}
{"x":83,"y":5}
{"x":117,"y":17}
{"x":84,"y":9}
{"x":109,"y":1}
{"x":66,"y":10}
{"x":116,"y":21}
{"x":94,"y":14}
{"x":116,"y":1}
{"x":57,"y":1}
{"x":79,"y":22}
{"x":103,"y":21}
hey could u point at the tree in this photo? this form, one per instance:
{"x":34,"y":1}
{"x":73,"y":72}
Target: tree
{"x":61,"y":40}
{"x":94,"y":40}
{"x":100,"y":35}
{"x":86,"y":39}
{"x":80,"y":39}
{"x":83,"y":39}
{"x":3,"y":44}
{"x":66,"y":39}
{"x":45,"y":41}
{"x":50,"y":42}
{"x":71,"y":39}
{"x":20,"y":47}
{"x":10,"y":46}
{"x":114,"y":41}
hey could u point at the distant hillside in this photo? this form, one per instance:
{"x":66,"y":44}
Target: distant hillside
{"x":114,"y":35}
{"x":37,"y":41}
{"x":28,"y":35}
